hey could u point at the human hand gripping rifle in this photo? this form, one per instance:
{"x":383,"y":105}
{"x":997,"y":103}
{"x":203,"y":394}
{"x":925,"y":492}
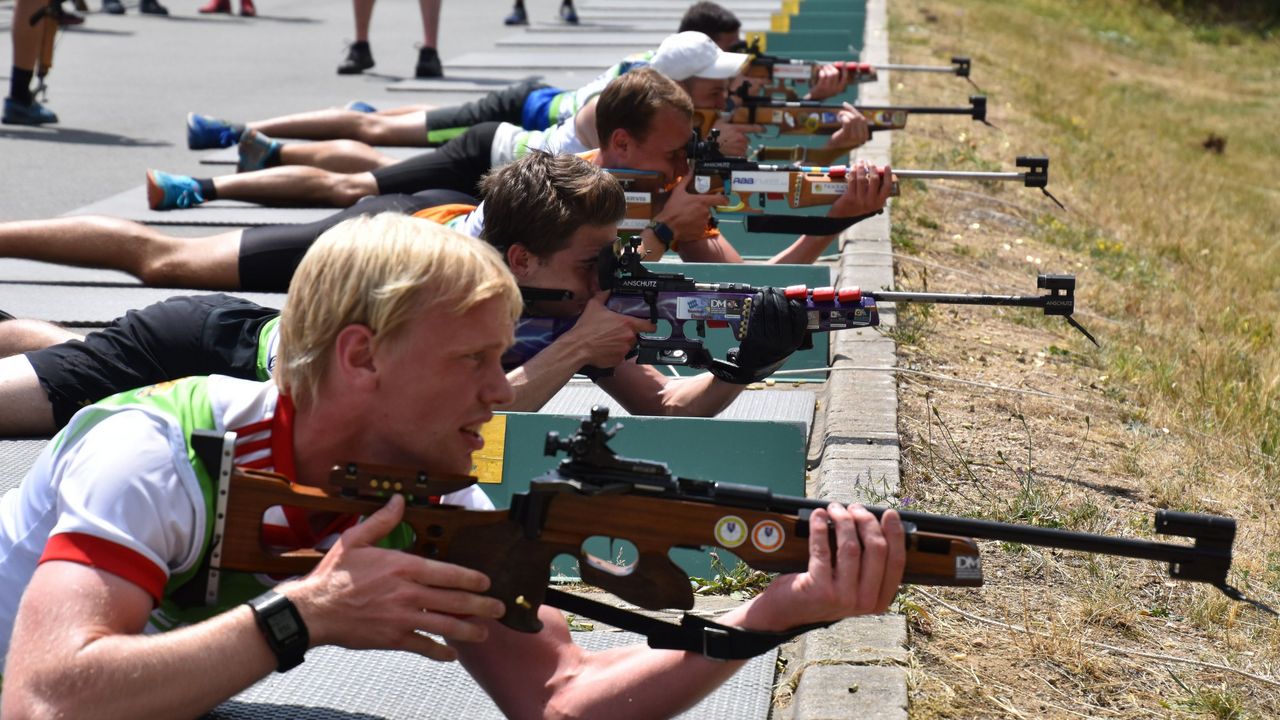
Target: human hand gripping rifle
{"x":594,"y":492}
{"x":779,"y":75}
{"x":637,"y":291}
{"x":812,"y":117}
{"x":796,"y":186}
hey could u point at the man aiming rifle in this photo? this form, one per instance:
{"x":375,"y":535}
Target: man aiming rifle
{"x":396,"y":363}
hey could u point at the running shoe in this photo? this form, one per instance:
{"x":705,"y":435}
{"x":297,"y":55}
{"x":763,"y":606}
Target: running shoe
{"x":360,"y":106}
{"x":6,"y":316}
{"x":255,"y":149}
{"x":359,"y":58}
{"x":32,"y":113}
{"x":152,"y":7}
{"x":517,"y":17}
{"x":247,"y":9}
{"x":113,"y":7}
{"x":216,"y":6}
{"x":568,"y":13}
{"x":205,"y":132}
{"x":428,"y":64}
{"x":169,"y":192}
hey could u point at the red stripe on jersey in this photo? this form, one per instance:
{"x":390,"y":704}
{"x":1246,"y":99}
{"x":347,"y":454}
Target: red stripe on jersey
{"x":109,"y":556}
{"x":282,"y":439}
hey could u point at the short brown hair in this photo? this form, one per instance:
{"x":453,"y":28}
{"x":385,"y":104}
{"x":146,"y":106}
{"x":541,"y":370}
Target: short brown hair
{"x":380,"y":271}
{"x":632,"y":101}
{"x":540,"y":200}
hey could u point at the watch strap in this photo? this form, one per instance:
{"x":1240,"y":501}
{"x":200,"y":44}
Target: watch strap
{"x":282,"y":627}
{"x":663,"y":232}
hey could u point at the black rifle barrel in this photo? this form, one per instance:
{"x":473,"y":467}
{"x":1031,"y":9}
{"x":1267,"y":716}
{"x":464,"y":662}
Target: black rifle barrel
{"x":920,"y":109}
{"x":727,"y":493}
{"x":958,"y":299}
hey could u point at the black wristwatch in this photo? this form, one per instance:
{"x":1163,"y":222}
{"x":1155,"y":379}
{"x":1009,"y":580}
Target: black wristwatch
{"x":283,"y":628}
{"x":664,"y":234}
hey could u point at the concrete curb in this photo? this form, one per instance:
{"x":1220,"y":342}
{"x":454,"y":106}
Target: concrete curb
{"x":856,"y":669}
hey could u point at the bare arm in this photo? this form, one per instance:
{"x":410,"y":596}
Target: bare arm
{"x":867,"y":192}
{"x":76,"y":649}
{"x":644,"y":390}
{"x":546,"y":675}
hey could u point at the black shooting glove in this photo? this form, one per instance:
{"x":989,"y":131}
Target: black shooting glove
{"x":775,"y":329}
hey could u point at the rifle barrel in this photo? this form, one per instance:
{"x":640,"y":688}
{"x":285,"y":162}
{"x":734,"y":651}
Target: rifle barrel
{"x":949,"y":69}
{"x":958,"y":299}
{"x":956,"y":175}
{"x":919,"y":109}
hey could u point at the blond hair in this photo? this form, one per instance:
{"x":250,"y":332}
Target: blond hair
{"x":380,"y":271}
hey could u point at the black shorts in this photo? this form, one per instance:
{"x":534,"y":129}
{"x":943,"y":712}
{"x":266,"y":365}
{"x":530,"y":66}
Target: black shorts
{"x":270,"y":254}
{"x":185,"y":335}
{"x":457,"y":165}
{"x":505,"y":105}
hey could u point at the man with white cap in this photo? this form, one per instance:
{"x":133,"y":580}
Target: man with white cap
{"x":339,"y":175}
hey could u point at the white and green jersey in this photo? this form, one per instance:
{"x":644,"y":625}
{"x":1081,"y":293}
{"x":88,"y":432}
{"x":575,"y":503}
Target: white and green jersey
{"x":120,"y":489}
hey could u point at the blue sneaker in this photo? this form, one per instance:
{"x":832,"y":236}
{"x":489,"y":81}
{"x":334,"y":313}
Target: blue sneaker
{"x":568,"y":13}
{"x":517,"y":17}
{"x":167,"y":192}
{"x":255,"y":150}
{"x":33,"y":113}
{"x":360,"y":106}
{"x":204,"y":132}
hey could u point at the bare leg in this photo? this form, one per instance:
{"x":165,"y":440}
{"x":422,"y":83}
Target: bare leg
{"x":416,"y":107}
{"x":364,"y":14}
{"x":407,"y":129}
{"x":340,"y":156}
{"x":296,"y":185}
{"x":19,"y":336}
{"x":26,"y":38}
{"x":430,"y":21}
{"x":24,"y":406}
{"x":156,"y":259}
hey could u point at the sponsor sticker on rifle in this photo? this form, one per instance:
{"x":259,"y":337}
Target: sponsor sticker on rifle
{"x":767,"y":536}
{"x":748,"y":181}
{"x":694,"y":307}
{"x":701,"y":183}
{"x":968,"y":567}
{"x":633,"y":224}
{"x":828,"y":188}
{"x":731,"y":531}
{"x":792,"y":71}
{"x":486,"y":463}
{"x":638,"y":198}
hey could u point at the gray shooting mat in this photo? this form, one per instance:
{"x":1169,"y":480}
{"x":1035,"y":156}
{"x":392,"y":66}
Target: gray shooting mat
{"x":339,"y":684}
{"x":95,"y":304}
{"x":671,"y":15}
{"x":777,"y":405}
{"x":490,"y":79}
{"x":132,"y":205}
{"x":231,"y":155}
{"x":620,"y":41}
{"x":740,"y":8}
{"x":30,"y":271}
{"x":597,"y":60}
{"x":661,"y":26}
{"x":461,"y":80}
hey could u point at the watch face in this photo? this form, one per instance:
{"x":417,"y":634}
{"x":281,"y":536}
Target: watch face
{"x":282,"y":626}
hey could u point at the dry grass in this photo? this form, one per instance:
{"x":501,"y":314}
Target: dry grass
{"x":1176,"y":249}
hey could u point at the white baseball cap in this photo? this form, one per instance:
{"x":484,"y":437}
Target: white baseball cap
{"x":692,"y":54}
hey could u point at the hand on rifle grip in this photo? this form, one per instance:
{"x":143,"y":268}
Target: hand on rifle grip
{"x":868,"y":191}
{"x":362,"y":596}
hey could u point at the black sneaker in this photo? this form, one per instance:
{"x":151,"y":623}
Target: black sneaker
{"x":428,"y":64}
{"x":113,"y":7}
{"x":6,"y":316}
{"x":359,"y":59}
{"x":152,"y":7}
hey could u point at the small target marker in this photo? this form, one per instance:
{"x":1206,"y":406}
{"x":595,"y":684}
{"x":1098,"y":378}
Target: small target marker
{"x":767,"y":536}
{"x":731,"y":531}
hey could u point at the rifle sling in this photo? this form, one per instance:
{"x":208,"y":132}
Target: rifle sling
{"x":693,"y":634}
{"x":802,"y":224}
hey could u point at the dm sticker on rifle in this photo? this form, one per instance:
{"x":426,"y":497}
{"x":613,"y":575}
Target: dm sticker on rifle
{"x":731,"y":531}
{"x":767,"y":536}
{"x":968,"y":567}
